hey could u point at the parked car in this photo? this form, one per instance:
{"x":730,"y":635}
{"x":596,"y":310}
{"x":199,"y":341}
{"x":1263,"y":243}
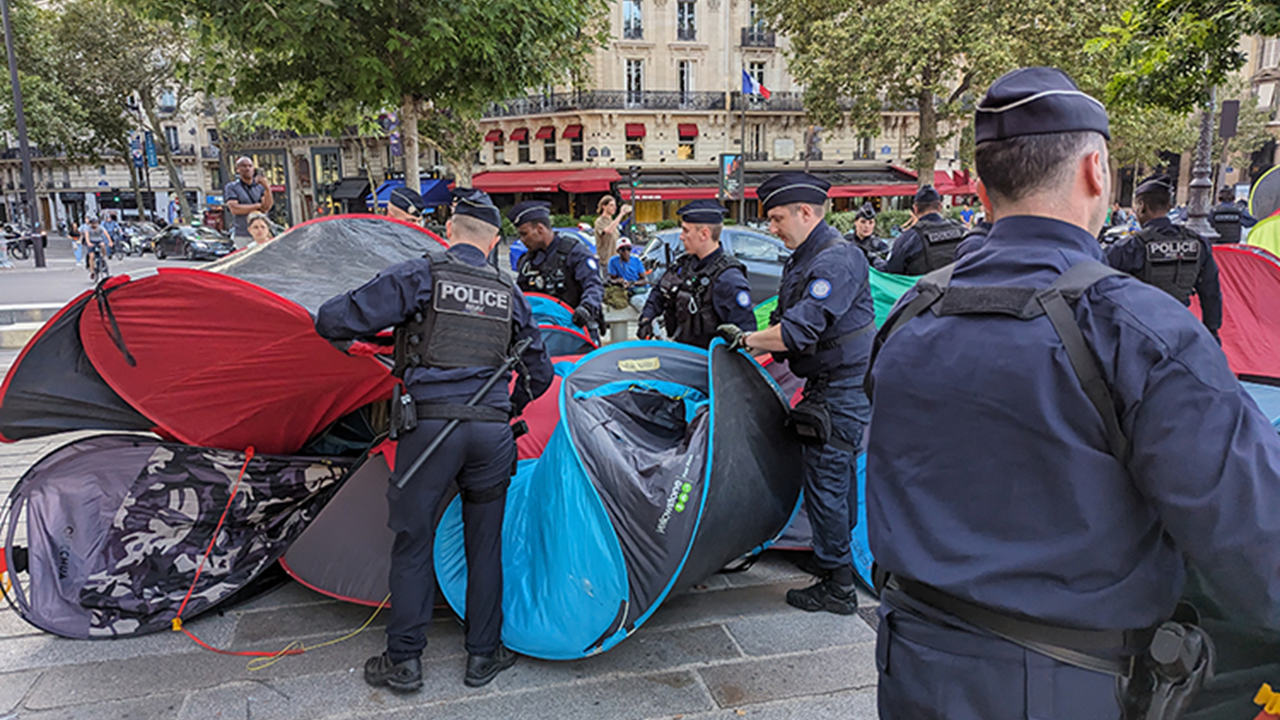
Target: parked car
{"x":763,"y":255}
{"x":191,"y":243}
{"x":518,"y":249}
{"x":140,"y":234}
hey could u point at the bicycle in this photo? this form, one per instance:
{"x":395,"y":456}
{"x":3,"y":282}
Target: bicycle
{"x":100,"y":271}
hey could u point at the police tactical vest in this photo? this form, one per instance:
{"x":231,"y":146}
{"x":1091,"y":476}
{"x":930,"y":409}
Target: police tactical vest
{"x":690,"y":315}
{"x":1174,"y":258}
{"x":553,"y":277}
{"x":467,"y":323}
{"x":940,"y":239}
{"x":1225,"y":219}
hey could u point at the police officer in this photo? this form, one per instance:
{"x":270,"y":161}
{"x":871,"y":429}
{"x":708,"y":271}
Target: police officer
{"x":1172,"y":257}
{"x":456,"y":319}
{"x":705,"y":288}
{"x":1032,"y":524}
{"x":1227,"y":217}
{"x":930,"y":243}
{"x":864,"y":236}
{"x":823,"y":328}
{"x":406,"y":205}
{"x":558,"y":265}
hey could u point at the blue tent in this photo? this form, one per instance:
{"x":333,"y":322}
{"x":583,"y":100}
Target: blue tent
{"x":435,"y":192}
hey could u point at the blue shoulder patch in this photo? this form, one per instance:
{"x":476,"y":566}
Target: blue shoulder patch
{"x":591,"y":263}
{"x":744,"y":298}
{"x":819,"y":289}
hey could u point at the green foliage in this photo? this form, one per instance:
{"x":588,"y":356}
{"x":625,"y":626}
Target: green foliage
{"x":667,"y":225}
{"x":885,"y":221}
{"x":1251,"y":127}
{"x":842,"y":221}
{"x":55,"y":117}
{"x":564,"y":221}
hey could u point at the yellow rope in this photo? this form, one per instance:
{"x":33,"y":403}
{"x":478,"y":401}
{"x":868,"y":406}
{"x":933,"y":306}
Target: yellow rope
{"x":263,"y":663}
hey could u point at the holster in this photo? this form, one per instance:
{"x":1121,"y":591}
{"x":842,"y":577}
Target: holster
{"x":404,"y":413}
{"x":810,"y":420}
{"x":1166,"y":679}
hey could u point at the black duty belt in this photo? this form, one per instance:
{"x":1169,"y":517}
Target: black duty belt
{"x":465,"y":413}
{"x":834,"y":343}
{"x":1106,"y":651}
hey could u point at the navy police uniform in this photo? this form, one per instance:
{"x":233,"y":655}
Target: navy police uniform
{"x":445,"y":355}
{"x":995,"y":482}
{"x":929,"y":244}
{"x":566,"y":269}
{"x":873,"y":246}
{"x":1227,"y":218}
{"x":828,"y":319}
{"x":697,"y":295}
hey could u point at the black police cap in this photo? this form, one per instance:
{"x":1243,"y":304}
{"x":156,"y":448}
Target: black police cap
{"x":792,"y":187}
{"x":530,"y":211}
{"x":1159,"y":185}
{"x":703,"y":212}
{"x":866,"y":212}
{"x":476,"y":204}
{"x":927,"y":196}
{"x":1037,"y":101}
{"x":408,"y":200}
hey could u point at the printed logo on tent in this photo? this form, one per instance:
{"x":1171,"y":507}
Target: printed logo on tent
{"x":640,"y":365}
{"x":677,"y":497}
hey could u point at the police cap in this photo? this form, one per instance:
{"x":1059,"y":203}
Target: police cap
{"x":866,"y":212}
{"x":530,"y":211}
{"x":1158,"y":185}
{"x":477,"y":204}
{"x":1037,"y":101}
{"x":408,"y":200}
{"x":927,"y":196}
{"x":792,"y":187}
{"x":703,"y":212}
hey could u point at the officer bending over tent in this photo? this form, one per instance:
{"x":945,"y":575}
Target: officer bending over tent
{"x":558,"y":265}
{"x":1173,"y":257}
{"x":456,"y":319}
{"x":1049,"y":438}
{"x":822,"y":327}
{"x":705,"y":288}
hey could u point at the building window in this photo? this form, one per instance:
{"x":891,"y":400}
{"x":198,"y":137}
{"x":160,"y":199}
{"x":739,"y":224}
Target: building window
{"x":686,"y":82}
{"x":635,"y":141}
{"x":548,"y":144}
{"x":171,"y":136}
{"x":635,"y":83}
{"x":686,"y":20}
{"x":756,"y":19}
{"x":216,"y":174}
{"x":756,"y":70}
{"x":574,"y":134}
{"x":1270,"y":53}
{"x":632,"y":27}
{"x":522,"y":151}
{"x":168,"y":101}
{"x":866,"y":151}
{"x":688,"y":137}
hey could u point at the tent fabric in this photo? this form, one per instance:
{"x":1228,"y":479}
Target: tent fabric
{"x":116,"y":526}
{"x":886,"y":288}
{"x":1268,"y":399}
{"x":1250,"y":281}
{"x":548,"y":310}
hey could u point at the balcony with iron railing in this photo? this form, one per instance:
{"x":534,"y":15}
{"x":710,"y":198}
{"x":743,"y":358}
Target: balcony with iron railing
{"x":633,"y":30}
{"x":607,"y":100}
{"x":755,"y":157}
{"x":757,"y":37}
{"x":210,"y":152}
{"x":181,"y":150}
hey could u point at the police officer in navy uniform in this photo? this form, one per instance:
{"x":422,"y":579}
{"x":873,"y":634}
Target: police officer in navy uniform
{"x":864,"y":236}
{"x":456,"y":319}
{"x":1170,"y":256}
{"x":406,"y":205}
{"x":705,"y":288}
{"x":823,"y":328}
{"x":930,"y":243}
{"x":1227,"y":217}
{"x":1029,"y":525}
{"x":558,"y":265}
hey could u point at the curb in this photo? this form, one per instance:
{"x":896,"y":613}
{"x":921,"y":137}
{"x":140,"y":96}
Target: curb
{"x":24,"y":313}
{"x":17,"y":335}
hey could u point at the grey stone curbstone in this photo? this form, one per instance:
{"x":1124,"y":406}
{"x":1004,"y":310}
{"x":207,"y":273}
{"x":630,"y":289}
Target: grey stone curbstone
{"x":162,"y":706}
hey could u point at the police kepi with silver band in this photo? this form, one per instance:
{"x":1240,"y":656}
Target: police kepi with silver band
{"x":929,"y":244}
{"x":1032,"y":524}
{"x":456,"y":320}
{"x":558,"y":265}
{"x":822,"y":328}
{"x":1169,"y":256}
{"x":705,"y":288}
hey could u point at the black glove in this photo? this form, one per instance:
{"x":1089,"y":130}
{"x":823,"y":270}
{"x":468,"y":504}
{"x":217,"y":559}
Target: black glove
{"x":732,"y":334}
{"x":582,"y":316}
{"x":645,"y":331}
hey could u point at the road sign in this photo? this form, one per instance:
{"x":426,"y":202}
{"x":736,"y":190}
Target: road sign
{"x":886,"y":150}
{"x":149,"y":141}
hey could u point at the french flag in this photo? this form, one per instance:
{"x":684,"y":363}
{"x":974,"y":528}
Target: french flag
{"x":751,"y":87}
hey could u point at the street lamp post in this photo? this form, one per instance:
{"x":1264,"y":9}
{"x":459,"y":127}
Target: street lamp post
{"x":29,"y":190}
{"x":1201,"y":186}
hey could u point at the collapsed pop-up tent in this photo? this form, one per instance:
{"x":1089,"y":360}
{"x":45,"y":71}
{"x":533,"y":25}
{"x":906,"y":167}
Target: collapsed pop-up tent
{"x":1250,"y":281}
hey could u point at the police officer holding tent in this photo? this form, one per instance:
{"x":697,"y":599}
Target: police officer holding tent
{"x":1169,"y":256}
{"x":705,"y":288}
{"x":558,"y":265}
{"x":1227,"y":217}
{"x":930,"y":243}
{"x":456,"y":320}
{"x":823,"y":328}
{"x":1049,"y":437}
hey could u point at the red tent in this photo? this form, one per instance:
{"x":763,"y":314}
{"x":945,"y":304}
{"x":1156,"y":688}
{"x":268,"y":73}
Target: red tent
{"x":1250,"y":279}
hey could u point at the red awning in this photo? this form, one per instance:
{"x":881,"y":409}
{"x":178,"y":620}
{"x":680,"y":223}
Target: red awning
{"x":520,"y":134}
{"x":635,"y":130}
{"x":574,"y":181}
{"x":546,"y":132}
{"x":593,"y":180}
{"x":493,"y":136}
{"x":573,"y":132}
{"x":688,"y":130}
{"x":849,"y":191}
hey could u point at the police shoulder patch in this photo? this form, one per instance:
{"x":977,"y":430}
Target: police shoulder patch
{"x":819,"y":289}
{"x":591,"y":263}
{"x":744,"y":298}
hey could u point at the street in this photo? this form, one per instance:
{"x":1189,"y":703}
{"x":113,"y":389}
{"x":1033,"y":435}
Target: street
{"x":63,"y":278}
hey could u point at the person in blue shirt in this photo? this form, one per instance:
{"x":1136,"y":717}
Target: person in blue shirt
{"x":930,"y":243}
{"x":112,"y":226}
{"x":456,"y":318}
{"x":1031,"y":526}
{"x":823,"y":328}
{"x":705,"y":288}
{"x":627,"y":271}
{"x":558,"y":265}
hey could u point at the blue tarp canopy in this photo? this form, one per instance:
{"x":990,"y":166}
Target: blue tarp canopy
{"x":435,"y":192}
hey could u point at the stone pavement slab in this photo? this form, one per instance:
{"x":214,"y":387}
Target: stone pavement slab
{"x":747,"y":682}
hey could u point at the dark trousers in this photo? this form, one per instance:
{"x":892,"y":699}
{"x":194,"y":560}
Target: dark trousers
{"x":478,"y":456}
{"x":830,"y":473}
{"x":935,"y":667}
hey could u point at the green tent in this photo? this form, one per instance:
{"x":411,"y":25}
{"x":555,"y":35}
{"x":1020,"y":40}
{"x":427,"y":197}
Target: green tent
{"x":885,"y":291}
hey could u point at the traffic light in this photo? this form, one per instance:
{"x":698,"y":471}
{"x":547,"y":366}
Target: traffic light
{"x":633,"y":174}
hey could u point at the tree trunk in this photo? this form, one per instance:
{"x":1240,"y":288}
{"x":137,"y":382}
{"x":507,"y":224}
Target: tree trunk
{"x":223,"y":147}
{"x":175,"y":177}
{"x":409,"y":143}
{"x":137,"y":190}
{"x":368,"y":170}
{"x":927,"y":141}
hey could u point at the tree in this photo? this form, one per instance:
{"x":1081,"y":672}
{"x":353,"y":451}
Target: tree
{"x":54,"y":115}
{"x":419,"y":57}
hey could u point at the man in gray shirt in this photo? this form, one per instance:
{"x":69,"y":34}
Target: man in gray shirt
{"x":248,"y":193}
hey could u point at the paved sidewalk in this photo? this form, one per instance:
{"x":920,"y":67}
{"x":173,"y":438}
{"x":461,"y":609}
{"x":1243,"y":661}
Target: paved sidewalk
{"x":730,"y":648}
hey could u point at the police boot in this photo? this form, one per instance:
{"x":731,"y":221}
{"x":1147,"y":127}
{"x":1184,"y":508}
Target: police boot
{"x":482,"y":669}
{"x":834,"y":594}
{"x":403,"y":676}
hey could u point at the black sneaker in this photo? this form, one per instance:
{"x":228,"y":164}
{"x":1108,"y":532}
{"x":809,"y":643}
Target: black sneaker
{"x":825,"y":595}
{"x":404,"y":676}
{"x":482,"y":669}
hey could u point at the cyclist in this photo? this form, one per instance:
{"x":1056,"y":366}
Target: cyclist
{"x":97,"y":241}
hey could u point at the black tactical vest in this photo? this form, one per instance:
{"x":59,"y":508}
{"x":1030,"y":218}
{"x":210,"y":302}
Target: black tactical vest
{"x":468,"y":323}
{"x":1174,"y":259}
{"x":690,"y":315}
{"x":940,"y":239}
{"x":553,"y":277}
{"x":1225,"y":218}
